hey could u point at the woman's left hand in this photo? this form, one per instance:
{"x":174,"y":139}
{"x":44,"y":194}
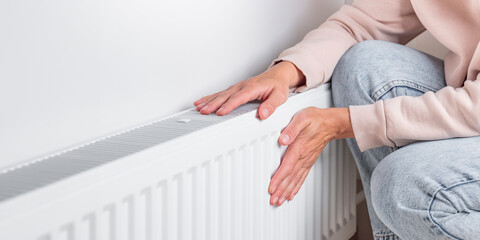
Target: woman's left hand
{"x":306,"y":135}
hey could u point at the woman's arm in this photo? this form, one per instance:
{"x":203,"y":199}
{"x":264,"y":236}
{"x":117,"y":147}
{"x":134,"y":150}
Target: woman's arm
{"x":448,"y":113}
{"x":311,"y":62}
{"x":318,"y":53}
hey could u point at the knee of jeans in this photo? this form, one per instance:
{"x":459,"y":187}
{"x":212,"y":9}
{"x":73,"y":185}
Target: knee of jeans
{"x":390,"y":188}
{"x":354,"y":75}
{"x":381,"y":186}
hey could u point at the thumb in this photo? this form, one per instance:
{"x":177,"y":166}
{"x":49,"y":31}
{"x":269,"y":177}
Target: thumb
{"x":275,"y":99}
{"x":290,"y":133}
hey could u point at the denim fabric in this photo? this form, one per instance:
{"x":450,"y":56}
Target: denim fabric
{"x":425,"y":190}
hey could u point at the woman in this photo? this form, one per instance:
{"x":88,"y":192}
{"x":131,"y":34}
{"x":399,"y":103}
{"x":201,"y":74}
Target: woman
{"x":412,"y":120}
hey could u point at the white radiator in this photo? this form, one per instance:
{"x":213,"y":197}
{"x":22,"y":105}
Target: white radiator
{"x":185,"y":177}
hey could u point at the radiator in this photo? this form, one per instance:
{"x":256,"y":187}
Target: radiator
{"x":188,"y":176}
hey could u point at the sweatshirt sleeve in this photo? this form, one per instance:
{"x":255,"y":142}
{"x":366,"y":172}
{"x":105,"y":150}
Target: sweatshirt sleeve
{"x":448,"y":113}
{"x":320,"y":50}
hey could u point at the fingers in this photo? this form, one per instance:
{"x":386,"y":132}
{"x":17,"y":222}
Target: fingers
{"x":291,"y":185}
{"x":241,"y":97}
{"x":226,"y":101}
{"x":203,"y":99}
{"x":209,"y":104}
{"x":275,"y":99}
{"x":290,"y":133}
{"x":214,"y":103}
{"x":291,"y":174}
{"x":286,"y":187}
{"x":298,"y":186}
{"x":286,"y":168}
{"x":275,"y":197}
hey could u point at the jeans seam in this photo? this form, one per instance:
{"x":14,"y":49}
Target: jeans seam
{"x":385,"y":235}
{"x":392,"y":236}
{"x":433,"y":199}
{"x":396,"y":83}
{"x":382,"y":233}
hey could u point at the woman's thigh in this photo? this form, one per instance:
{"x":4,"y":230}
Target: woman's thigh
{"x":430,"y":190}
{"x":375,"y":70}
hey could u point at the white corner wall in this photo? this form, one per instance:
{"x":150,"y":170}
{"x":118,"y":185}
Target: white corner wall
{"x":73,"y":71}
{"x":427,"y":43}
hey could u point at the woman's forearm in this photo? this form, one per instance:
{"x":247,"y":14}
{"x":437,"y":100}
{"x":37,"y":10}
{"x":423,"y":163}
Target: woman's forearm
{"x":290,"y":73}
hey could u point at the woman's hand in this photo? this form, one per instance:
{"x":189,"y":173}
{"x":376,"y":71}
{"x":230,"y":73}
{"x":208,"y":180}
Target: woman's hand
{"x":306,"y":135}
{"x":271,"y":87}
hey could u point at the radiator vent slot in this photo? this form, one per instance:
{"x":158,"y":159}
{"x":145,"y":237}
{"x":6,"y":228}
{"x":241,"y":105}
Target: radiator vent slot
{"x":56,"y":168}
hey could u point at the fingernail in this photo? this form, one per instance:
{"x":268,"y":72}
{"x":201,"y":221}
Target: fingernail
{"x":201,"y":105}
{"x":285,"y":138}
{"x":219,"y":110}
{"x":272,"y":189}
{"x":265,"y":112}
{"x":275,"y":200}
{"x":204,"y":108}
{"x":281,"y":201}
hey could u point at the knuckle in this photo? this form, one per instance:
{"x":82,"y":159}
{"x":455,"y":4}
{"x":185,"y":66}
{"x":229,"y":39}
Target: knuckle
{"x":283,"y":94}
{"x":216,"y":102}
{"x":238,"y":96}
{"x":288,"y":170}
{"x":233,"y":87}
{"x":245,"y":83}
{"x":308,"y":109}
{"x":221,"y":95}
{"x":305,"y":168}
{"x":304,"y":115}
{"x":210,"y":97}
{"x":252,"y":86}
{"x":300,"y":174}
{"x":301,"y":116}
{"x":282,"y":188}
{"x":228,"y":92}
{"x":248,"y":81}
{"x":212,"y":100}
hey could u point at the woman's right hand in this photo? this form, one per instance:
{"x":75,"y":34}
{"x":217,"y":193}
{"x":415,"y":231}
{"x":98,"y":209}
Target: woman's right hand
{"x":271,"y":87}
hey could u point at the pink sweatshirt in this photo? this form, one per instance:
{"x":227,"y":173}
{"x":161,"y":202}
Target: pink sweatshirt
{"x":453,"y":111}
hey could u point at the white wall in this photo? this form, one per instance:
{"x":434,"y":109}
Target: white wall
{"x":426,"y":42}
{"x":73,"y":71}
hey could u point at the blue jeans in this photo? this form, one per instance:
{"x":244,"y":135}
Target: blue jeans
{"x":425,"y":190}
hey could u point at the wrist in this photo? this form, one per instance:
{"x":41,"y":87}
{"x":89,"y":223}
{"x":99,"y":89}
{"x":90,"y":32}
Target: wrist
{"x":345,"y":129}
{"x":338,"y":123}
{"x":290,"y":73}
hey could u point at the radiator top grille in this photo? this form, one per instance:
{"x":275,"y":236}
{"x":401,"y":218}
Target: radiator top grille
{"x":51,"y":169}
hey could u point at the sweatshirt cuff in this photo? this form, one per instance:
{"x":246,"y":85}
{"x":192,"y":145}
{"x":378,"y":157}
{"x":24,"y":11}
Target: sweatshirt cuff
{"x":369,"y":126}
{"x":301,"y":62}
